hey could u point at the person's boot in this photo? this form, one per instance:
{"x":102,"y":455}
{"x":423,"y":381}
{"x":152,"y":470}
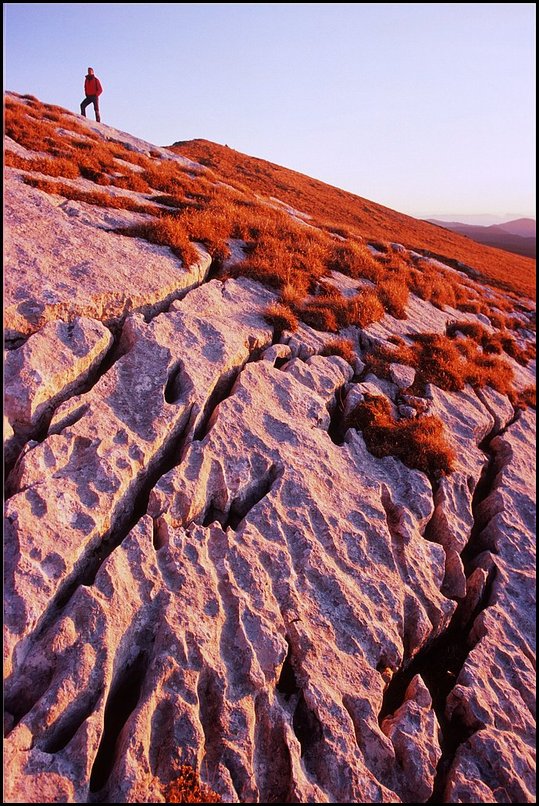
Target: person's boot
{"x":98,"y":118}
{"x":83,"y":112}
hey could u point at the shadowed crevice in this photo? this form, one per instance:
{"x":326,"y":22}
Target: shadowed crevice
{"x":287,"y":685}
{"x":308,"y":730}
{"x":440,"y":662}
{"x":223,"y":389}
{"x":242,"y":505}
{"x":121,"y":703}
{"x":68,"y":727}
{"x":337,"y":425}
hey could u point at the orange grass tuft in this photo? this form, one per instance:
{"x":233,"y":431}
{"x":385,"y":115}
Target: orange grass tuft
{"x":166,"y":231}
{"x":187,"y":788}
{"x":90,"y":196}
{"x":343,"y":347}
{"x":280,"y":317}
{"x":420,"y":443}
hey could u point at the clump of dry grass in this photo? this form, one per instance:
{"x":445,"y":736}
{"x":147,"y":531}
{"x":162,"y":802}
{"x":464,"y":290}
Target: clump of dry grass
{"x":493,"y":343}
{"x":187,"y":788}
{"x":90,"y":196}
{"x":355,"y":260}
{"x":281,"y":317}
{"x":420,"y":443}
{"x":499,"y":320}
{"x":50,"y":166}
{"x":472,"y":306}
{"x":524,"y":398}
{"x":450,"y":364}
{"x":166,"y":231}
{"x":331,"y":310}
{"x":343,"y":347}
{"x":447,"y":363}
{"x":292,"y":296}
{"x":393,"y":294}
{"x":320,"y":316}
{"x":489,"y":370}
{"x":132,"y":182}
{"x":365,"y":308}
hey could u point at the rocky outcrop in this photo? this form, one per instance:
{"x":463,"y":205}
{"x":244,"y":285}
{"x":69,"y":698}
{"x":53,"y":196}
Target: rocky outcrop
{"x":206,"y":566}
{"x":61,"y":261}
{"x":52,"y":365}
{"x":494,"y":698}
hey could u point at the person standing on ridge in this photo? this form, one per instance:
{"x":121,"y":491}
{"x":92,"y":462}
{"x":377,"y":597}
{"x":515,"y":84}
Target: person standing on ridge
{"x":92,"y":90}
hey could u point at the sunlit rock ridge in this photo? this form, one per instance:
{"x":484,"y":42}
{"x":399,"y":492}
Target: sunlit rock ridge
{"x":270,"y":484}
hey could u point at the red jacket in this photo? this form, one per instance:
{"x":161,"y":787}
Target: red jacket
{"x":92,"y":85}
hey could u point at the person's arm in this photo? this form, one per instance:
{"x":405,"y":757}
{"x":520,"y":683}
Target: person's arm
{"x":98,"y":86}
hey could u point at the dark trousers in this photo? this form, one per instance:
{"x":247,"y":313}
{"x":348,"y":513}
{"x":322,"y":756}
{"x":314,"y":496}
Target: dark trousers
{"x":90,"y":99}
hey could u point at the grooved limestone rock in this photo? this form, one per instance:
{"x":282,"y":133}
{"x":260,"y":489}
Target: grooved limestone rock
{"x":494,"y":698}
{"x":205,"y":568}
{"x":97,"y":273}
{"x":49,"y":366}
{"x":414,"y":732}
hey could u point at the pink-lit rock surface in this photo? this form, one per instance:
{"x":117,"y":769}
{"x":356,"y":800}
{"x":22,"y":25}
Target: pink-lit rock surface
{"x":205,"y":568}
{"x":49,"y":367}
{"x":59,"y":265}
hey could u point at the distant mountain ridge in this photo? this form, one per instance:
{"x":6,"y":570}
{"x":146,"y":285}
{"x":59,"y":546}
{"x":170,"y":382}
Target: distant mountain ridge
{"x":516,"y":236}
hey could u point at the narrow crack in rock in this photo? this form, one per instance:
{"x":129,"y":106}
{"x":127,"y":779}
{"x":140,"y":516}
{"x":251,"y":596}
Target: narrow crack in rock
{"x":440,"y":662}
{"x":241,"y":507}
{"x":128,"y":512}
{"x":287,"y":685}
{"x":337,"y":424}
{"x":121,"y":702}
{"x":39,"y":430}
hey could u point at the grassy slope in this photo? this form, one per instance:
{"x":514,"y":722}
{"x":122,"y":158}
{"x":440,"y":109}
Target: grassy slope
{"x":361,"y":216}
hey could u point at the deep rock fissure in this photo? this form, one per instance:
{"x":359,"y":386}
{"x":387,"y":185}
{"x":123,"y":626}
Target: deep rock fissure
{"x":337,"y":424}
{"x":40,"y":431}
{"x":222,"y":390}
{"x":241,"y":507}
{"x":210,"y":708}
{"x":14,"y":342}
{"x":121,"y":703}
{"x":309,"y":734}
{"x":440,"y":662}
{"x":485,"y":485}
{"x":61,"y":737}
{"x":168,"y":458}
{"x":287,"y":685}
{"x":454,"y":731}
{"x":173,"y":387}
{"x":130,"y":510}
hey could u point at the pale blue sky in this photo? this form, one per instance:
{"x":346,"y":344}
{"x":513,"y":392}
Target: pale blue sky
{"x":427,"y":108}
